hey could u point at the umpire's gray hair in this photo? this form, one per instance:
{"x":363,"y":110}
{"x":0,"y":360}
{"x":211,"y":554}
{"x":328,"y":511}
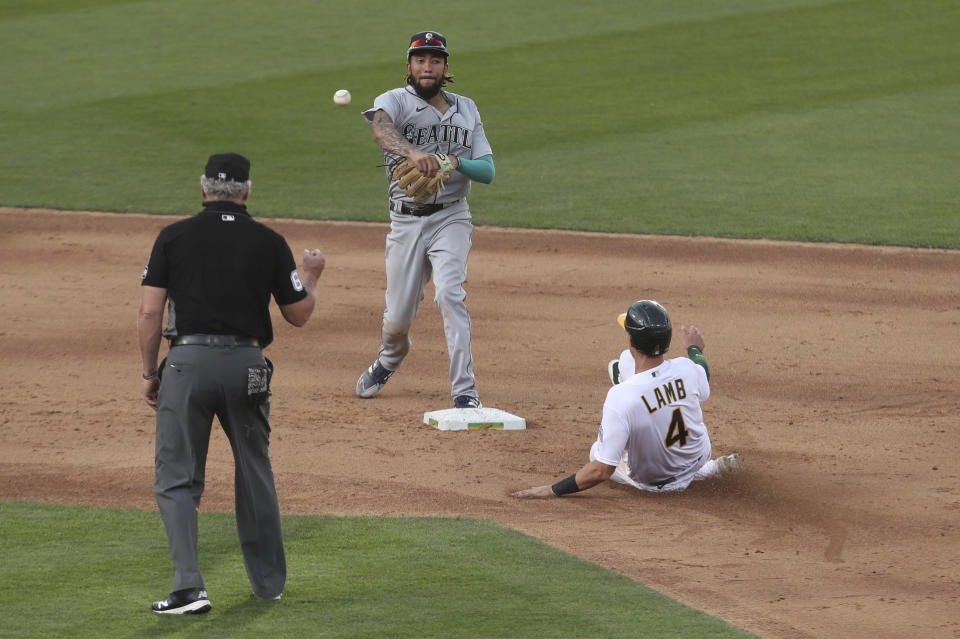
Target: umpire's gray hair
{"x":225,"y":189}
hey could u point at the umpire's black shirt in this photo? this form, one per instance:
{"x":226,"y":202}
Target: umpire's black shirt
{"x":219,"y":268}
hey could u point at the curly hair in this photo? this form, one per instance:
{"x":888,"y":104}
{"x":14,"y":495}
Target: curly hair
{"x":223,"y":189}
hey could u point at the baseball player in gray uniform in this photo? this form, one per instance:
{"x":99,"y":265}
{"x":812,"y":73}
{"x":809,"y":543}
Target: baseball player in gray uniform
{"x":433,"y":129}
{"x":652,"y":435}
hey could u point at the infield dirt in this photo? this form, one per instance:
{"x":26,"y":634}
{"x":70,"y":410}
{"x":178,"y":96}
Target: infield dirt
{"x":835,"y":373}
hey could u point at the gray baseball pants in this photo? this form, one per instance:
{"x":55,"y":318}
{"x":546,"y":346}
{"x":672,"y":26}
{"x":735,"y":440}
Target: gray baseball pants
{"x":418,"y":247}
{"x":199,"y":382}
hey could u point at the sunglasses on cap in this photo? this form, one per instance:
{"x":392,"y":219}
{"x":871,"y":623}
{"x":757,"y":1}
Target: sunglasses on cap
{"x":428,"y":40}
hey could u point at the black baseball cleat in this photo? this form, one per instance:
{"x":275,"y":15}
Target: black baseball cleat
{"x":467,"y":401}
{"x":192,"y":601}
{"x":373,"y":380}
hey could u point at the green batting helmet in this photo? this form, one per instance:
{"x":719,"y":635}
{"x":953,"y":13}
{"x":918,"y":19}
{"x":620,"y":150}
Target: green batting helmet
{"x":649,"y":327}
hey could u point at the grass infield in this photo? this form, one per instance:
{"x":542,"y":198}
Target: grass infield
{"x":87,"y":572}
{"x":815,"y":120}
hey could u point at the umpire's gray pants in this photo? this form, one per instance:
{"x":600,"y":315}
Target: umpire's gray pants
{"x":199,"y":382}
{"x":418,"y":247}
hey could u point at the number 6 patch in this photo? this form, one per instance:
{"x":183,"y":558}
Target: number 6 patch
{"x":295,"y":280}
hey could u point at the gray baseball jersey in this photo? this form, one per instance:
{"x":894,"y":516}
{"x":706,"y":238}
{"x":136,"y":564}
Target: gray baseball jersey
{"x":457,"y":132}
{"x":435,"y":244}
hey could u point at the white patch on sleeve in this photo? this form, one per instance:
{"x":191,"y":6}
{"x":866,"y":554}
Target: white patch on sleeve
{"x":295,"y":279}
{"x":143,"y":275}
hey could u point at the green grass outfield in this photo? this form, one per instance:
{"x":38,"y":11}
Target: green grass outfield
{"x":88,"y":572}
{"x":820,"y":120}
{"x":815,"y":120}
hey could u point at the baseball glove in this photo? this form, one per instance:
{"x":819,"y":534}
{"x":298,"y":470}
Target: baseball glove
{"x":418,"y":186}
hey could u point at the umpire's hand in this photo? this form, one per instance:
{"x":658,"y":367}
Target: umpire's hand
{"x":150,"y":389}
{"x":314,"y":262}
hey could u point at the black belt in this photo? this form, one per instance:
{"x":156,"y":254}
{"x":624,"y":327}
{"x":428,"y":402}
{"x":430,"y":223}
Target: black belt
{"x":221,"y":341}
{"x":661,"y":484}
{"x":420,"y":210}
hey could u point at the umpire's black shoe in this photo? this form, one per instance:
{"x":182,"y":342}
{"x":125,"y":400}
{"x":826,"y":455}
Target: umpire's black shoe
{"x":192,"y":601}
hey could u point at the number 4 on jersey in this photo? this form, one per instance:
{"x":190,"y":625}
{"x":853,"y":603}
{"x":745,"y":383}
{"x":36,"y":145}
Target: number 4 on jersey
{"x":677,"y":434}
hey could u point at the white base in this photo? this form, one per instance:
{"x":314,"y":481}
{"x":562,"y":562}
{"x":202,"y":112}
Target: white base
{"x":473,"y":419}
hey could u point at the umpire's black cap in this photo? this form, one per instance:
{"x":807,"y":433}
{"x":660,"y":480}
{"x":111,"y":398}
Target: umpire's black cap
{"x":228,"y":166}
{"x":428,"y":41}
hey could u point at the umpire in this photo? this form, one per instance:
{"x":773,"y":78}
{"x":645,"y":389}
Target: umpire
{"x":216,"y":271}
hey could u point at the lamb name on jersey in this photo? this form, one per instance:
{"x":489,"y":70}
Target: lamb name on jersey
{"x":673,"y":391}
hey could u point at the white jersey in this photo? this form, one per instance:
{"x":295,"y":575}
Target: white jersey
{"x":655,"y":417}
{"x":458,"y":132}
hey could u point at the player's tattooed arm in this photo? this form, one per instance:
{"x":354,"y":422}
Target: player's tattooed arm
{"x":388,"y":137}
{"x":386,"y":134}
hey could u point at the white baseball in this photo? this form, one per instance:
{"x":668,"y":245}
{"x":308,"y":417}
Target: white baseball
{"x":341,"y":97}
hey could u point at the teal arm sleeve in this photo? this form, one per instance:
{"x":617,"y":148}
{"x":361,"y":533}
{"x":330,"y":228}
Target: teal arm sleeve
{"x":697,"y":356}
{"x":479,"y":170}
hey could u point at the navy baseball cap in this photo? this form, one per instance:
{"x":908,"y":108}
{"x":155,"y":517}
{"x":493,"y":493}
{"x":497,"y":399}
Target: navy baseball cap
{"x":228,"y":166}
{"x":428,"y":41}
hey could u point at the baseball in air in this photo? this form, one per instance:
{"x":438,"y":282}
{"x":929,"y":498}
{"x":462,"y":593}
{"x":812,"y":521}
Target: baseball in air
{"x":341,"y":97}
